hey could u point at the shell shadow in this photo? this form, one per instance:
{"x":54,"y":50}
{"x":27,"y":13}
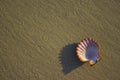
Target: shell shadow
{"x":68,"y":58}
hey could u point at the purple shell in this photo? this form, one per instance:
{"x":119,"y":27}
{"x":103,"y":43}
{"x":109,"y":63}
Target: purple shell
{"x":88,"y":50}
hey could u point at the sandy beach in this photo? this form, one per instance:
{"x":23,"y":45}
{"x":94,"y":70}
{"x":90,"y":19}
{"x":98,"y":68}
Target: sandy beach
{"x":38,"y":39}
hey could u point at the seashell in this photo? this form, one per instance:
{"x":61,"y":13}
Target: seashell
{"x":88,"y":51}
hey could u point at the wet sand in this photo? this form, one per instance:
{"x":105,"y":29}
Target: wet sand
{"x":38,"y":39}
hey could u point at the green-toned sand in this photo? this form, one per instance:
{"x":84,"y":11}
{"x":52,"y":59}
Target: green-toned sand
{"x":38,"y":39}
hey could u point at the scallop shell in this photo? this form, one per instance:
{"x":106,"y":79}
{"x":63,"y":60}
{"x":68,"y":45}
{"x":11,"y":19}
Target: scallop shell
{"x":88,"y":51}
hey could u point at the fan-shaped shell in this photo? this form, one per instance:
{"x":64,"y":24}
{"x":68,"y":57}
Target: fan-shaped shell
{"x":88,"y":50}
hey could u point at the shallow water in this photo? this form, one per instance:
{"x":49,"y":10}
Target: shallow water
{"x":38,"y":39}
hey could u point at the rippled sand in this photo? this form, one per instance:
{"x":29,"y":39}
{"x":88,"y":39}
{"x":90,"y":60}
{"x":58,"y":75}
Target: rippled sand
{"x":38,"y":39}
